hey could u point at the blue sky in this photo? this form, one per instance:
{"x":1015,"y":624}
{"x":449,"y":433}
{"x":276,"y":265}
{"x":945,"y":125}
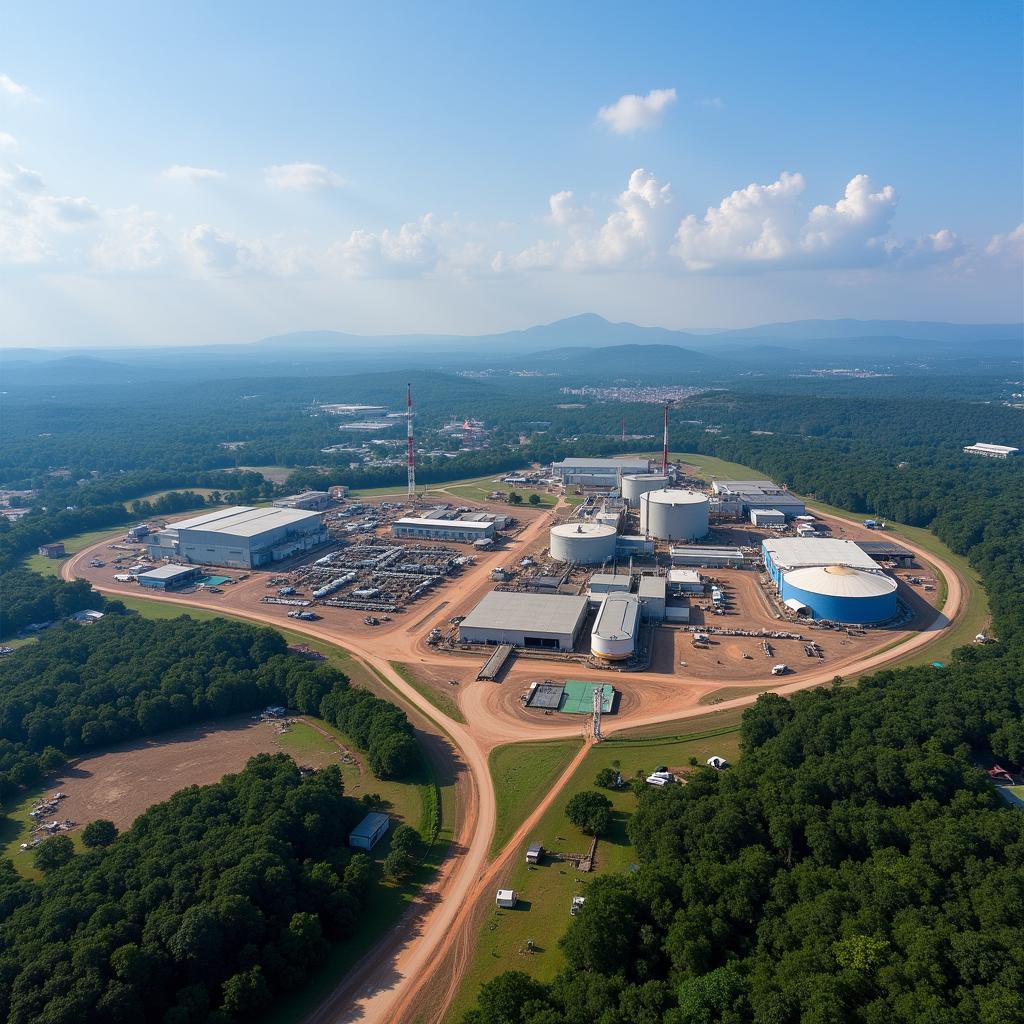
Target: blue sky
{"x":199,"y":173}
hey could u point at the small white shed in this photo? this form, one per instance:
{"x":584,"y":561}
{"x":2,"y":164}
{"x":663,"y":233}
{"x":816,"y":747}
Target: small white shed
{"x":506,"y":898}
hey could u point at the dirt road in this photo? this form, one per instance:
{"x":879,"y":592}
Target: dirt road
{"x":432,"y":945}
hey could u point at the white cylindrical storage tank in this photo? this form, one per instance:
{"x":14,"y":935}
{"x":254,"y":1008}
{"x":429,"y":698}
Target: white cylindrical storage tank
{"x":583,"y":543}
{"x":674,"y":514}
{"x":615,"y":628}
{"x":640,"y":483}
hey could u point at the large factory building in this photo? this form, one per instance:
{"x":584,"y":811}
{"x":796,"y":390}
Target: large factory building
{"x":462,"y":531}
{"x":240,"y":537}
{"x":829,"y":579}
{"x":550,"y":621}
{"x":740,"y":497}
{"x":596,"y":472}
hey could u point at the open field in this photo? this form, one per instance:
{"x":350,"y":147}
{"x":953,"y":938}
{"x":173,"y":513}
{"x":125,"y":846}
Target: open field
{"x":438,"y":698}
{"x":275,"y":474}
{"x":120,"y":783}
{"x":546,"y":891}
{"x":204,"y":491}
{"x":72,"y":545}
{"x":522,"y":774}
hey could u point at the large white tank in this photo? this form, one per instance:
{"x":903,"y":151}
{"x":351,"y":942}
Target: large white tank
{"x":674,"y":514}
{"x":583,"y":543}
{"x":640,"y":483}
{"x":615,"y":628}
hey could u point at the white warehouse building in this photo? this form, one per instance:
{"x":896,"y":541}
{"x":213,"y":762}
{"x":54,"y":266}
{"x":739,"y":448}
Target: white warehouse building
{"x":461,"y":530}
{"x":240,"y":537}
{"x":597,"y":472}
{"x":551,"y":621}
{"x":738,"y":497}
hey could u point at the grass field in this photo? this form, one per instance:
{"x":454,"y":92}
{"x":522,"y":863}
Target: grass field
{"x":72,"y":545}
{"x":204,"y":491}
{"x":546,"y":891}
{"x":441,"y":701}
{"x":522,"y":773}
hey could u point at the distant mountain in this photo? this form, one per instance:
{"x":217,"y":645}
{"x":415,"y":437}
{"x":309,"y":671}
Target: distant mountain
{"x":917,"y":330}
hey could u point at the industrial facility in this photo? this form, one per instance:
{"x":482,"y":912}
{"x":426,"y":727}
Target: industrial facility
{"x":551,"y":621}
{"x":674,"y":514}
{"x":463,"y":531}
{"x":240,"y":537}
{"x":740,"y":497}
{"x":597,"y":472}
{"x":830,"y":579}
{"x":991,"y":451}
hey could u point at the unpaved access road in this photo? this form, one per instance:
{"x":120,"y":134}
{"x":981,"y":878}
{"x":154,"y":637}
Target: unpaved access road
{"x":415,"y":970}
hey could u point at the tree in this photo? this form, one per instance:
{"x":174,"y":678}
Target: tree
{"x":534,"y":499}
{"x":590,"y":812}
{"x":245,"y":993}
{"x":508,"y":999}
{"x":99,"y":833}
{"x":54,"y":853}
{"x":608,"y":778}
{"x":515,"y":498}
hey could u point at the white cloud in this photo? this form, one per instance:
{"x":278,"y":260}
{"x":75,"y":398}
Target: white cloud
{"x":66,"y":211}
{"x":21,"y":179}
{"x":215,"y":253}
{"x":8,"y":141}
{"x":1010,"y":244}
{"x":132,"y":240}
{"x":10,"y":87}
{"x":631,"y":113}
{"x":565,"y":212}
{"x":192,"y":175}
{"x":412,"y":249}
{"x":302,"y":177}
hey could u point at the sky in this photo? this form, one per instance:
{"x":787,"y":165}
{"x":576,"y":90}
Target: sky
{"x":198,"y":173}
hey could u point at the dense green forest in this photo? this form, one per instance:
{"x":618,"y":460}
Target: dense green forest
{"x":79,"y":689}
{"x":206,"y":908}
{"x":856,"y":865}
{"x":27,"y":597}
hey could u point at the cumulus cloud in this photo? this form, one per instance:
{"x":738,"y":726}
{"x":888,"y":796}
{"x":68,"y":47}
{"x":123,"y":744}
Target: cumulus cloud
{"x":1010,"y":244}
{"x":192,"y":175}
{"x":631,"y":113}
{"x":9,"y":87}
{"x":8,"y":141}
{"x":410,"y":250}
{"x":22,"y":180}
{"x":215,"y":253}
{"x":132,"y":240}
{"x":302,"y":177}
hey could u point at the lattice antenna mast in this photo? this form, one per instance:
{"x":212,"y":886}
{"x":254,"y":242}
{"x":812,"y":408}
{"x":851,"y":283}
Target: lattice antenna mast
{"x":664,"y":448}
{"x":411,"y":455}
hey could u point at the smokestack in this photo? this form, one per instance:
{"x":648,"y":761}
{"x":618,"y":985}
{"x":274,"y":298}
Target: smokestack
{"x":664,"y":450}
{"x":411,"y":456}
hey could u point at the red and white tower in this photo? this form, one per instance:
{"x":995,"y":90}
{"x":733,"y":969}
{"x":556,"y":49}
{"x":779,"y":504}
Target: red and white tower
{"x":411,"y":456}
{"x":664,"y":449}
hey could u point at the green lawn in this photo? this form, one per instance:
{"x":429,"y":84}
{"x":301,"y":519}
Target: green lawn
{"x":546,"y":891}
{"x":441,"y":701}
{"x":522,"y":773}
{"x":204,"y":491}
{"x":72,"y":545}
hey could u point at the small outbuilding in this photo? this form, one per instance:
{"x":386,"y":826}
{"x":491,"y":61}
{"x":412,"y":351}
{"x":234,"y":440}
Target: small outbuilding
{"x":55,"y":550}
{"x":369,"y":831}
{"x":534,"y":852}
{"x":506,"y":898}
{"x":718,"y":763}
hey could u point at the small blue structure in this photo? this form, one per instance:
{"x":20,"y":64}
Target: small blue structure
{"x":369,"y":831}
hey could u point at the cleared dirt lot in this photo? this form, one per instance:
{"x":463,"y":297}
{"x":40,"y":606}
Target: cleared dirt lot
{"x":121,"y":783}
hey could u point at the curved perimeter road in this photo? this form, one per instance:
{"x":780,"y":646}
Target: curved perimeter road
{"x":415,"y":971}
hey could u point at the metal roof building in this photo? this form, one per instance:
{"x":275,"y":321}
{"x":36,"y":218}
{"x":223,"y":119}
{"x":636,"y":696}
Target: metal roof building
{"x":992,"y":451}
{"x":708,"y":556}
{"x":526,"y":620}
{"x":597,"y":472}
{"x":788,"y":553}
{"x":167,"y":577}
{"x":369,"y":831}
{"x":240,"y":537}
{"x":463,"y":530}
{"x":740,"y":496}
{"x":653,"y":592}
